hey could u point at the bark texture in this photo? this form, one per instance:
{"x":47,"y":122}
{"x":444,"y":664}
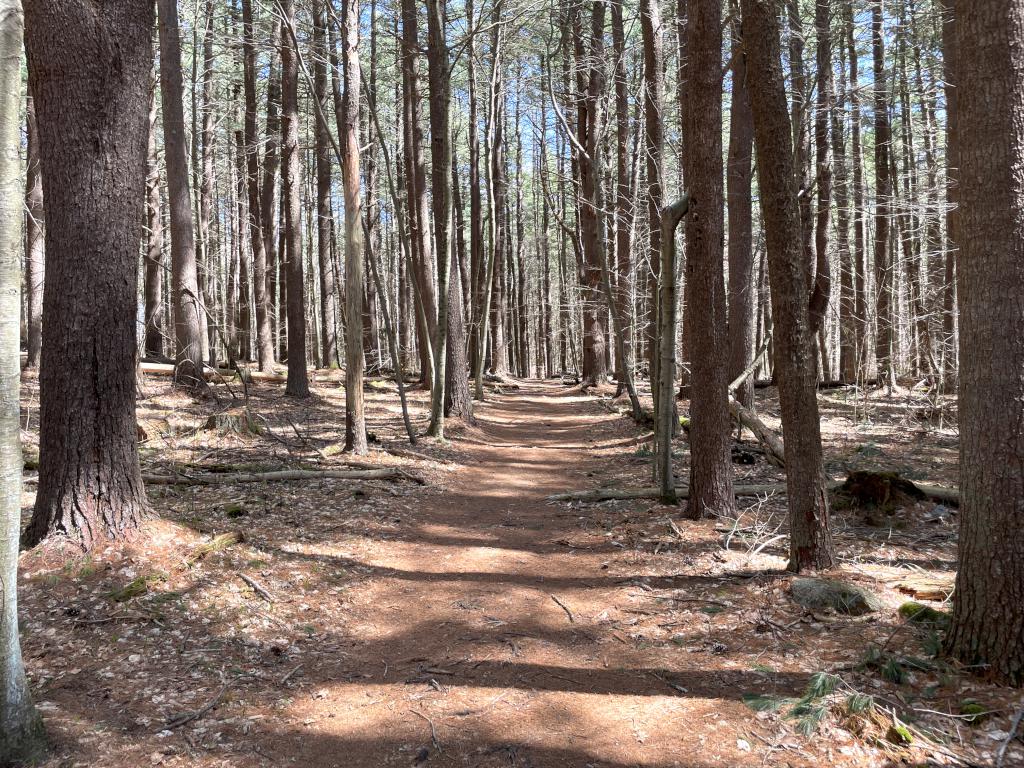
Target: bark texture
{"x":810,"y":538}
{"x":988,"y":614}
{"x":710,"y":441}
{"x":94,"y":174}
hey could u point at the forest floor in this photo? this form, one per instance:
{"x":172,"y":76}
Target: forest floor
{"x":469,"y":621}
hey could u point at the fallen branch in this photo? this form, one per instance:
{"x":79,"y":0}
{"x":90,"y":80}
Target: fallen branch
{"x":188,"y":717}
{"x":934,"y":492}
{"x":257,"y":587}
{"x":564,"y":607}
{"x":281,"y":476}
{"x":774,"y":449}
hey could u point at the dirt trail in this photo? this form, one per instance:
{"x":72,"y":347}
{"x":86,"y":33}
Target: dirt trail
{"x":489,"y":631}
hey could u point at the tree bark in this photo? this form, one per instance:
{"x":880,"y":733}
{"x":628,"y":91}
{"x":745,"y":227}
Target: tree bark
{"x":298,"y":378}
{"x":257,"y":238}
{"x":154,"y":258}
{"x":94,"y":175}
{"x":188,"y":311}
{"x":710,"y":441}
{"x":810,"y":539}
{"x":884,"y":340}
{"x":987,"y":627}
{"x":355,"y":419}
{"x":739,"y":175}
{"x":324,"y":215}
{"x":34,"y":242}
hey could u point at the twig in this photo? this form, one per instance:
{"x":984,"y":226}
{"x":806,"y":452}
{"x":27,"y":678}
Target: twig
{"x":288,"y":677}
{"x":433,"y":730}
{"x":562,"y":605}
{"x":1009,"y":737}
{"x":256,"y":587}
{"x":188,"y":717}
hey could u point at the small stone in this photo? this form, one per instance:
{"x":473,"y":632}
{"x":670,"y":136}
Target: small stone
{"x":134,"y":658}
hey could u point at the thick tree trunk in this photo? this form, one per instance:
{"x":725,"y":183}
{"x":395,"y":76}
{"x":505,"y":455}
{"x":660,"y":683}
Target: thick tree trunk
{"x":21,"y":732}
{"x":94,"y":178}
{"x":810,"y":538}
{"x":298,"y":378}
{"x":710,"y":441}
{"x":988,"y":615}
{"x":188,"y":308}
{"x":34,"y":242}
{"x":739,"y":175}
{"x":355,"y":419}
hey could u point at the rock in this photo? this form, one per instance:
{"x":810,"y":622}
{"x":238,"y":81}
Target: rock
{"x":839,"y":596}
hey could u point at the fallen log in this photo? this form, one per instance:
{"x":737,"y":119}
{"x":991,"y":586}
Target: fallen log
{"x":285,"y":475}
{"x":167,"y":369}
{"x":933,"y":492}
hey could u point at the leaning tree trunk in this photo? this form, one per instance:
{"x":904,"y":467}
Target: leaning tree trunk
{"x":711,"y":464}
{"x":21,"y":732}
{"x":988,"y":615}
{"x":34,"y":244}
{"x":298,"y":378}
{"x":94,"y":179}
{"x":810,"y":538}
{"x":188,"y":325}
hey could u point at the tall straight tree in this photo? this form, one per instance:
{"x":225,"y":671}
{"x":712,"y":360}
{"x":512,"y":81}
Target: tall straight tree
{"x":324,"y":215}
{"x":21,"y":734}
{"x":188,"y":309}
{"x":355,"y":420}
{"x":291,"y":200}
{"x":654,"y":146}
{"x":739,"y":175}
{"x":810,"y":539}
{"x":94,"y":179}
{"x":153,"y":289}
{"x":710,"y":443}
{"x":885,"y":337}
{"x":264,"y":334}
{"x":441,"y":191}
{"x":34,"y":244}
{"x":988,"y":613}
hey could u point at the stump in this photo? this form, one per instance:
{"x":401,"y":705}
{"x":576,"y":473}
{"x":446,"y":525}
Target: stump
{"x":237,"y":421}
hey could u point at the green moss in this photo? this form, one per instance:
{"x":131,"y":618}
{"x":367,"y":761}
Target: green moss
{"x":923,"y":614}
{"x":899,"y":734}
{"x":972,"y":711}
{"x":136,"y":587}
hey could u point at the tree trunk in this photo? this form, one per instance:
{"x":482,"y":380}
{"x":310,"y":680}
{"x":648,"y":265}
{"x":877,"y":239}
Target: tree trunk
{"x":188,"y":308}
{"x":154,"y":258}
{"x":623,"y":196}
{"x":884,"y":340}
{"x":34,"y":242}
{"x":298,"y":378}
{"x":866,"y":368}
{"x":324,"y":215}
{"x":988,"y":614}
{"x":847,"y":292}
{"x":355,"y":420}
{"x":257,"y":237}
{"x":739,"y":175}
{"x":810,"y":538}
{"x":269,"y":215}
{"x":94,"y":177}
{"x":21,"y":730}
{"x":950,"y":62}
{"x":710,"y":442}
{"x":823,"y":174}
